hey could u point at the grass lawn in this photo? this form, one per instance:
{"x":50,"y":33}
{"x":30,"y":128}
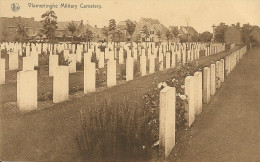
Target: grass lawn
{"x":49,"y":134}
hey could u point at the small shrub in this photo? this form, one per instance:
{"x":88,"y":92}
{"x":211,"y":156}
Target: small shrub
{"x":117,"y":130}
{"x":122,"y":72}
{"x":80,"y":66}
{"x":157,"y":64}
{"x":43,"y":59}
{"x":94,"y":59}
{"x":136,"y":68}
{"x":101,"y":77}
{"x":45,"y":96}
{"x":75,"y":89}
{"x":62,"y":59}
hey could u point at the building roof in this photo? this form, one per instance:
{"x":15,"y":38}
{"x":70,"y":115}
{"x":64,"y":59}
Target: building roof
{"x":184,"y":30}
{"x":14,"y":21}
{"x":81,"y":28}
{"x":122,"y":25}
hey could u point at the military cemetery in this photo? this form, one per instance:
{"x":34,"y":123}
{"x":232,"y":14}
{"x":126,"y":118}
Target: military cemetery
{"x":129,"y":91}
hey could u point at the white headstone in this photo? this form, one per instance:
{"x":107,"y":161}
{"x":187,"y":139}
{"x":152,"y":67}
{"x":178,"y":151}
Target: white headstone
{"x":53,"y":63}
{"x":89,"y":77}
{"x":167,"y":121}
{"x":218,"y":74}
{"x":35,"y":57}
{"x":200,"y":93}
{"x":72,"y":64}
{"x":168,"y":60}
{"x":206,"y":85}
{"x":27,"y":90}
{"x":212,"y":79}
{"x":143,"y":65}
{"x":28,"y":63}
{"x":2,"y":71}
{"x":196,"y":92}
{"x":61,"y":84}
{"x":222,"y":70}
{"x":13,"y":61}
{"x":152,"y":64}
{"x":189,"y":105}
{"x":111,"y":73}
{"x":129,"y":69}
{"x":173,"y":59}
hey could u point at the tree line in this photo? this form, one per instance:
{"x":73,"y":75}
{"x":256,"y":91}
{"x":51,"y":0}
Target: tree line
{"x":248,"y":32}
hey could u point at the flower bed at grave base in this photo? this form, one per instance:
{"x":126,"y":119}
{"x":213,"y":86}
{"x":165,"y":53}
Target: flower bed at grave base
{"x":128,"y":129}
{"x":178,"y":76}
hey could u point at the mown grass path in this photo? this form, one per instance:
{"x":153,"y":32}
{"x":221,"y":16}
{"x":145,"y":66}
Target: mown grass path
{"x":229,"y":127}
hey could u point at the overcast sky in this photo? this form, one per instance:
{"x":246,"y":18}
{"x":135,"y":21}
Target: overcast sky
{"x":201,"y":14}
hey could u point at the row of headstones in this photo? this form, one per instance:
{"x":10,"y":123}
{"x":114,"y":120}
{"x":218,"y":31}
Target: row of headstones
{"x":33,"y":51}
{"x":48,"y":46}
{"x":29,"y":62}
{"x":215,"y":48}
{"x":189,"y":49}
{"x":27,"y":81}
{"x":44,"y":47}
{"x":27,"y":85}
{"x":198,"y":89}
{"x":27,"y":78}
{"x":30,"y":49}
{"x":13,"y":58}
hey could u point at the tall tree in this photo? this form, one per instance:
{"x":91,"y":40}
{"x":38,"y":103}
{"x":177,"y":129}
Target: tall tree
{"x":49,"y":24}
{"x":246,"y":30}
{"x":72,"y":27}
{"x":112,"y":29}
{"x":118,"y":35}
{"x":22,"y":30}
{"x":238,"y":25}
{"x":40,"y":35}
{"x":168,"y":36}
{"x":205,"y":36}
{"x":137,"y":39}
{"x":255,"y":35}
{"x":89,"y":37}
{"x":220,"y":32}
{"x":146,"y":33}
{"x":105,"y":32}
{"x":112,"y":25}
{"x":159,"y":35}
{"x":130,"y":27}
{"x":175,"y":32}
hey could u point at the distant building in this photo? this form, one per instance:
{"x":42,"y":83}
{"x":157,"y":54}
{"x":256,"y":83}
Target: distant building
{"x":63,"y":32}
{"x":98,"y":34}
{"x":122,"y":27}
{"x":9,"y":28}
{"x":154,"y":28}
{"x":185,"y":32}
{"x":157,"y":31}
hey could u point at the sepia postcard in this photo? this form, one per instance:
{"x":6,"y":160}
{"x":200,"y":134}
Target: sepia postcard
{"x":130,"y":80}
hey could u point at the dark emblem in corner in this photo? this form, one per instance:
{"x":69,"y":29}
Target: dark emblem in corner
{"x":15,"y":7}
